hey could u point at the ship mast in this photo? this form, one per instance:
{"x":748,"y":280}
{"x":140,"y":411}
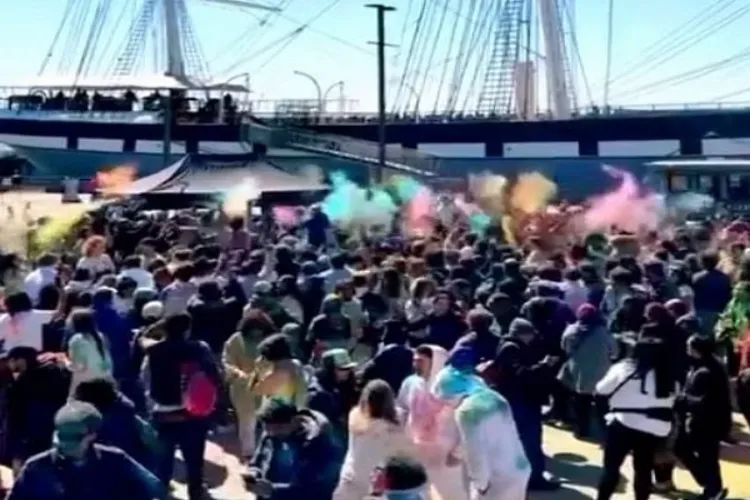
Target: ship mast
{"x":175,"y":60}
{"x":175,"y":14}
{"x":557,"y":83}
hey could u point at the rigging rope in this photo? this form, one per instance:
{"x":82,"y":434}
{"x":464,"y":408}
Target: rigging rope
{"x":610,"y":41}
{"x":479,"y":68}
{"x":407,"y":16}
{"x":99,"y":15}
{"x":668,"y":40}
{"x":73,"y":38}
{"x":410,"y":53}
{"x":480,"y":38}
{"x":104,"y":51}
{"x":66,"y":13}
{"x":280,"y":49}
{"x":685,"y":45}
{"x":254,"y":33}
{"x":460,"y":60}
{"x":729,"y":95}
{"x":284,"y":40}
{"x":431,"y":58}
{"x":106,"y":9}
{"x":693,"y":74}
{"x":577,"y":53}
{"x":446,"y":63}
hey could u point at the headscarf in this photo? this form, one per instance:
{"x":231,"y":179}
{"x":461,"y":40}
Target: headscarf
{"x":734,"y":320}
{"x":478,"y":399}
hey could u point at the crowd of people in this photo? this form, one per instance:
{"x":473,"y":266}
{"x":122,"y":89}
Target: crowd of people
{"x":351,"y":366}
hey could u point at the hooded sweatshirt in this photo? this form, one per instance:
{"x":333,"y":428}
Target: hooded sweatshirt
{"x":493,"y":453}
{"x":431,"y":427}
{"x":426,"y":424}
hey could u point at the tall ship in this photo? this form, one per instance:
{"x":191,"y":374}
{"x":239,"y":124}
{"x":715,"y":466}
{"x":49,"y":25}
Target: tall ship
{"x":486,"y":61}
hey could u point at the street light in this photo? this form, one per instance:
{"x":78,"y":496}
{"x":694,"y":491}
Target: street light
{"x":246,"y":84}
{"x":339,"y":84}
{"x":317,"y":87}
{"x":381,"y":10}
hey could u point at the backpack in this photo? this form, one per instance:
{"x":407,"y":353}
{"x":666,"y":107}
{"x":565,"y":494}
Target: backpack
{"x":199,"y":393}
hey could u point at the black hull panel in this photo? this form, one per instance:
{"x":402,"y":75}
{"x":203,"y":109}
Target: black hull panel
{"x":723,"y":123}
{"x":687,"y":127}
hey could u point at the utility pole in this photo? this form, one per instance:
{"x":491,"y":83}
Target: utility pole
{"x":380,"y":43}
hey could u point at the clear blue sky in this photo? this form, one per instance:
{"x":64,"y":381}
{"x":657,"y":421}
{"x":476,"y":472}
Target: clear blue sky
{"x":335,"y":47}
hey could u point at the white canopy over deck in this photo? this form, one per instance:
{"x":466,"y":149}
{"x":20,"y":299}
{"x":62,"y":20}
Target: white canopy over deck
{"x":135,"y":83}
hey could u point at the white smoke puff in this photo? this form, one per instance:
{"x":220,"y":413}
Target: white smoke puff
{"x":691,"y":202}
{"x":312,"y":173}
{"x":236,"y":200}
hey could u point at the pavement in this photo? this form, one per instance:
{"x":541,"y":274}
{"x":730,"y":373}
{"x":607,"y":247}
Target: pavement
{"x":577,"y":463}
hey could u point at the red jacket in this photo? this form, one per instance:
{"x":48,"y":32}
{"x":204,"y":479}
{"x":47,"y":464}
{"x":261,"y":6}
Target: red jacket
{"x":743,"y":347}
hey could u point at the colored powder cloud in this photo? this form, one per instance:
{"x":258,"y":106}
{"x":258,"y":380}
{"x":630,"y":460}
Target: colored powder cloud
{"x":349,"y":204}
{"x":478,"y":220}
{"x":406,"y":188}
{"x":489,"y":192}
{"x":420,"y":212}
{"x":629,"y":206}
{"x":286,"y":216}
{"x":531,"y":192}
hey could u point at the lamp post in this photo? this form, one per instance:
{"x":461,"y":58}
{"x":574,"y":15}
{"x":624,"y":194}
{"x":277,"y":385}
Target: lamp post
{"x":318,"y":89}
{"x":339,"y":84}
{"x":246,"y":84}
{"x":380,"y":43}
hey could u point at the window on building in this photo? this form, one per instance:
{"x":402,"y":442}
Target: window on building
{"x":678,"y":183}
{"x":738,"y":187}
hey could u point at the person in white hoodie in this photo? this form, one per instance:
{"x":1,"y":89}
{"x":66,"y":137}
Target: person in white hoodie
{"x":641,"y":391}
{"x":496,"y":464}
{"x":375,"y":433}
{"x":430,"y":424}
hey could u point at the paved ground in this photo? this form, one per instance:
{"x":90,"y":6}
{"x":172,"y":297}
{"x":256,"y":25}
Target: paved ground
{"x":575,"y":462}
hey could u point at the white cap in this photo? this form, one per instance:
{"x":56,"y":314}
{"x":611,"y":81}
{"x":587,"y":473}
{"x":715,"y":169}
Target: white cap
{"x":153,"y":310}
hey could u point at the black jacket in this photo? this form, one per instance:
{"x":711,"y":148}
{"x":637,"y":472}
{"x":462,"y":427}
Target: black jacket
{"x":32,"y":401}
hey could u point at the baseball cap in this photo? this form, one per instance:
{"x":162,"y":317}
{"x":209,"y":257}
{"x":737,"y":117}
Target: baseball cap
{"x":276,"y":411}
{"x":76,"y":420}
{"x":338,"y":358}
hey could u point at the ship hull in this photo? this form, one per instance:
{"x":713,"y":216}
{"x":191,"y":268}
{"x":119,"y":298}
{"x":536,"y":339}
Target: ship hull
{"x":689,"y":129}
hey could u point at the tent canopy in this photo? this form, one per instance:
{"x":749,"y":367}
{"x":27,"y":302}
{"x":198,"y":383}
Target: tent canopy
{"x":220,"y":174}
{"x":140,"y":82}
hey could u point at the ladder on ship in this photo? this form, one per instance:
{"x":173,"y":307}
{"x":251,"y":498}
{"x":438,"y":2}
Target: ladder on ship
{"x":498,"y":89}
{"x":136,"y":39}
